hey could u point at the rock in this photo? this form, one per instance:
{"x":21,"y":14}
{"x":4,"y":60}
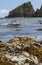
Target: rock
{"x":0,"y":41}
{"x":40,"y":29}
{"x":26,"y":64}
{"x":40,"y":21}
{"x":37,"y":45}
{"x":30,"y":50}
{"x":22,"y":58}
{"x":15,"y":39}
{"x":14,"y":59}
{"x":8,"y":56}
{"x":40,"y":42}
{"x":34,"y":59}
{"x":17,"y":49}
{"x":25,"y":10}
{"x":22,"y":40}
{"x":40,"y":63}
{"x":13,"y":25}
{"x":38,"y":12}
{"x":21,"y":51}
{"x":25,"y":54}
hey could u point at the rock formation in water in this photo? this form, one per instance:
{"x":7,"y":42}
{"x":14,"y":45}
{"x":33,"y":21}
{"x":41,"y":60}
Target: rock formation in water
{"x":38,"y":12}
{"x":25,"y":10}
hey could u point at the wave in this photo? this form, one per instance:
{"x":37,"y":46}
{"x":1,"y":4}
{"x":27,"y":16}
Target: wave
{"x":38,"y":38}
{"x":4,"y":23}
{"x":9,"y":23}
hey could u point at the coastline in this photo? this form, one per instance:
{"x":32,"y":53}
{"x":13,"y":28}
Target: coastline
{"x":21,"y":32}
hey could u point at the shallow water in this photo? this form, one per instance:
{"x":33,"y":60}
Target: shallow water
{"x":28,"y":28}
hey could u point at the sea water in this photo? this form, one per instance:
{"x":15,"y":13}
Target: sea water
{"x":28,"y":27}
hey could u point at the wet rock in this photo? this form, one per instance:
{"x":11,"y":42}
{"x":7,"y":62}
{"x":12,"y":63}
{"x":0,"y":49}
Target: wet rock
{"x":40,"y":29}
{"x":13,"y":25}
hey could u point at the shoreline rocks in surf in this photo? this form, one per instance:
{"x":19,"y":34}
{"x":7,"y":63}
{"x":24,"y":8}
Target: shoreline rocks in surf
{"x":13,"y":25}
{"x":39,"y":29}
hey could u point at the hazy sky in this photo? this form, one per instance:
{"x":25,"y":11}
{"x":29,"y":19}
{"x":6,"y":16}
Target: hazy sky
{"x":7,"y":5}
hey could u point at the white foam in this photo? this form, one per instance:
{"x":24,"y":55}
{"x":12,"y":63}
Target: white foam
{"x":4,"y":23}
{"x":38,"y":38}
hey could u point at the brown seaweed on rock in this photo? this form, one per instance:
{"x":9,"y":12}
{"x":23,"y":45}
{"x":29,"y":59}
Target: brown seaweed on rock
{"x":20,"y":50}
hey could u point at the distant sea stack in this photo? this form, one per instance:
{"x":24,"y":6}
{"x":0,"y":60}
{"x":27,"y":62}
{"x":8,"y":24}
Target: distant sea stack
{"x":25,"y":10}
{"x":38,"y":12}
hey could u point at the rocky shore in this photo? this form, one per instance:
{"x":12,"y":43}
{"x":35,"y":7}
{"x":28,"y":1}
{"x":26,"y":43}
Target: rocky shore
{"x":21,"y":51}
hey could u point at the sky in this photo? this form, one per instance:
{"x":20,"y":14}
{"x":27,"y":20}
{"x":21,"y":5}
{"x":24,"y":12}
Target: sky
{"x":8,"y":5}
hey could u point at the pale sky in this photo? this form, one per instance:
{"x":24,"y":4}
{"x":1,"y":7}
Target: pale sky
{"x":7,"y":5}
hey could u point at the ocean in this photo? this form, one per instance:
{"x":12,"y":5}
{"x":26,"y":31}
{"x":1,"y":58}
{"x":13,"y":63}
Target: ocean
{"x":29,"y":27}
